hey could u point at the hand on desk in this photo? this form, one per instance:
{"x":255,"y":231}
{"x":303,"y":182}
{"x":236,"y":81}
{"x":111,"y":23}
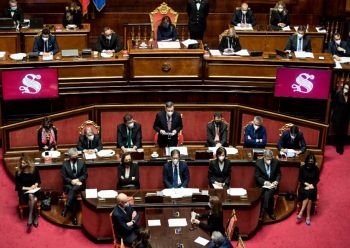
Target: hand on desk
{"x":195,"y":221}
{"x":282,"y":25}
{"x":89,"y":151}
{"x":218,"y":145}
{"x":340,"y":49}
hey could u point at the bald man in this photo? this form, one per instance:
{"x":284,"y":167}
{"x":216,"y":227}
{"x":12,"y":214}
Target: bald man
{"x":125,"y":220}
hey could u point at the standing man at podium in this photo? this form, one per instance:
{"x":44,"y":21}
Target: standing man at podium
{"x":168,"y":124}
{"x":197,"y":11}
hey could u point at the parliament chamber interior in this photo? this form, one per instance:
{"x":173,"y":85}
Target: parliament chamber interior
{"x":89,"y":85}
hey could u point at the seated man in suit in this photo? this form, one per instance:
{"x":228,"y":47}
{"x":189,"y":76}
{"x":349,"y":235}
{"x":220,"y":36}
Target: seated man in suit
{"x":267,"y":177}
{"x":89,"y":142}
{"x":217,"y":132}
{"x":14,"y":12}
{"x":129,"y":134}
{"x":125,"y":220}
{"x":45,"y":43}
{"x":292,"y":139}
{"x":74,"y":176}
{"x":108,"y":41}
{"x":299,"y":41}
{"x":168,"y":124}
{"x":175,"y":172}
{"x":338,"y":48}
{"x":255,"y":134}
{"x":243,"y":17}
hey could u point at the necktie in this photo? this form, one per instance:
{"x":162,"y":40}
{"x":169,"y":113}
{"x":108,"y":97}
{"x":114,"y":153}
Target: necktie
{"x":300,"y":45}
{"x":244,"y":19}
{"x":268,"y":170}
{"x":74,"y":170}
{"x":169,"y":123}
{"x":129,"y":138}
{"x":175,"y":177}
{"x":217,"y":137}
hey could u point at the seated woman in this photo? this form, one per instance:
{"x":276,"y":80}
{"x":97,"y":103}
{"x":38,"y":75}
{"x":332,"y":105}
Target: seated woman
{"x":72,"y":14}
{"x":166,"y":30}
{"x":142,"y":240}
{"x":214,"y":217}
{"x":219,"y":173}
{"x":229,"y":41}
{"x":47,"y":136}
{"x":309,"y":175}
{"x":128,"y":173}
{"x":279,"y":16}
{"x":28,"y":178}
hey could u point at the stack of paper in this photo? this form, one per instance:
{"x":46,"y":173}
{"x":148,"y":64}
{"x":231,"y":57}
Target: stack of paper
{"x":201,"y":241}
{"x":90,"y":155}
{"x":189,"y":42}
{"x":215,"y":52}
{"x":177,"y":222}
{"x":286,"y":28}
{"x":91,"y":193}
{"x":154,"y":223}
{"x":243,"y":28}
{"x":2,"y":55}
{"x":321,"y":30}
{"x":302,"y":54}
{"x":180,"y":192}
{"x":236,"y":191}
{"x":168,"y":44}
{"x":48,"y":57}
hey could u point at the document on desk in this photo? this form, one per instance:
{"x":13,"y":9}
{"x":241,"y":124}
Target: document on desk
{"x":236,"y":191}
{"x":154,"y":223}
{"x":344,"y":60}
{"x":215,"y":52}
{"x":303,"y":55}
{"x":47,"y":57}
{"x":32,"y":191}
{"x":177,"y":222}
{"x":180,"y":192}
{"x":244,"y":28}
{"x":243,"y":52}
{"x":201,"y":241}
{"x":90,"y":155}
{"x":168,"y":44}
{"x":321,"y":30}
{"x":91,"y":193}
{"x":286,"y":28}
{"x":2,"y":55}
{"x":189,"y":42}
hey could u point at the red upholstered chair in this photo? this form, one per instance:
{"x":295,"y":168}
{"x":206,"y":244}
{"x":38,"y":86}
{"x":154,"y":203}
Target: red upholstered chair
{"x":314,"y":206}
{"x":231,"y":224}
{"x":240,"y":243}
{"x":23,"y":206}
{"x":285,"y":127}
{"x":91,"y":124}
{"x":116,"y":243}
{"x":156,"y":17}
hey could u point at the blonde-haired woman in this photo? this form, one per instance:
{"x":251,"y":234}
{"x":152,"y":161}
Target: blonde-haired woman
{"x":279,"y":16}
{"x":229,"y":41}
{"x":28,"y":178}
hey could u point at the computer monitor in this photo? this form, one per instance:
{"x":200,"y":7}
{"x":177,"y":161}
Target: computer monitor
{"x":7,"y":23}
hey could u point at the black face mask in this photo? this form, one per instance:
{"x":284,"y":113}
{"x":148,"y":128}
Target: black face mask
{"x":128,"y":163}
{"x":217,"y":122}
{"x":74,"y":160}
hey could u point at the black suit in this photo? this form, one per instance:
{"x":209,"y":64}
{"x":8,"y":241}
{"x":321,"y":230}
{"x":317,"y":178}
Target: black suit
{"x":238,"y":17}
{"x":216,"y":175}
{"x":124,"y":182}
{"x":160,"y":123}
{"x":261,"y":176}
{"x":84,"y":143}
{"x":114,"y":44}
{"x":340,"y":119}
{"x":286,"y":142}
{"x":278,"y":17}
{"x":183,"y":173}
{"x":197,"y":22}
{"x":120,"y":217}
{"x":332,"y":48}
{"x":214,"y":222}
{"x":50,"y":46}
{"x":292,"y":43}
{"x":122,"y":136}
{"x":17,"y":14}
{"x":229,"y":42}
{"x":211,"y":132}
{"x":72,"y":190}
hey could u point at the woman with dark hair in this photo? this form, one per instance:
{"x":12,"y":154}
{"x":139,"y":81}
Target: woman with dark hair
{"x":214,"y":217}
{"x":128,"y":173}
{"x":142,"y":239}
{"x":307,"y":193}
{"x":219,"y":173}
{"x":279,"y":16}
{"x":166,"y":30}
{"x":340,"y":118}
{"x":27,"y":178}
{"x":47,"y":136}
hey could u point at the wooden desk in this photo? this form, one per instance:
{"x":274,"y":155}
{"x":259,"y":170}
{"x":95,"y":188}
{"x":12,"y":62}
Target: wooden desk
{"x":95,"y":213}
{"x":156,"y":64}
{"x":264,"y":39}
{"x":10,"y":41}
{"x":66,"y":38}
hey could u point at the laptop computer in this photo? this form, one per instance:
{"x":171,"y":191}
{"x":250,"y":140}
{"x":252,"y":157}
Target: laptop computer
{"x":282,"y":54}
{"x":37,"y":23}
{"x":7,"y":23}
{"x":70,"y":53}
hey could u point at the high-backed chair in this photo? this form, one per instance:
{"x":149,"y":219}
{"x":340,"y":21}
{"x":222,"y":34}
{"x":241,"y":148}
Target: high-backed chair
{"x":116,"y":243}
{"x":231,"y":224}
{"x":23,"y":206}
{"x":285,"y":127}
{"x":156,"y":17}
{"x":91,"y":124}
{"x":227,"y":124}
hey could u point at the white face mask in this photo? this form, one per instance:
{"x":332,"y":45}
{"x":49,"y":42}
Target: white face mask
{"x":169,"y":113}
{"x":300,"y":36}
{"x":175,"y":161}
{"x":221,"y":158}
{"x":244,"y":11}
{"x":256,"y":126}
{"x":14,"y":8}
{"x":131,"y":125}
{"x":338,"y":42}
{"x":90,"y":137}
{"x":268,"y":161}
{"x":109,"y":37}
{"x":45,"y":39}
{"x":345,"y":91}
{"x":293,"y":136}
{"x":280,"y":9}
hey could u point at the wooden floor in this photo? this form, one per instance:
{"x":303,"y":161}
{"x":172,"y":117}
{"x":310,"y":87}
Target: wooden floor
{"x":283,"y":209}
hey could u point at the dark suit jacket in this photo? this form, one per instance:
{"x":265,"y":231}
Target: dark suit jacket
{"x":183,"y":173}
{"x":228,"y":42}
{"x":292,"y":43}
{"x":286,"y":141}
{"x":77,"y":17}
{"x":277,"y":17}
{"x":332,"y":48}
{"x":114,"y":44}
{"x":166,"y":33}
{"x":17,"y":16}
{"x":160,"y":123}
{"x":67,"y":173}
{"x":39,"y":45}
{"x":261,"y":175}
{"x":84,"y":143}
{"x":214,"y":222}
{"x":341,"y":112}
{"x":211,"y":134}
{"x":134,"y":172}
{"x":260,"y":133}
{"x":136,"y":135}
{"x":120,"y":218}
{"x":215,"y":174}
{"x":238,"y":15}
{"x":197,"y":18}
{"x":40,"y":143}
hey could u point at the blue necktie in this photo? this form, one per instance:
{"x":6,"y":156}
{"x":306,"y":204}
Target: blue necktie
{"x":300,"y":45}
{"x":175,"y":177}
